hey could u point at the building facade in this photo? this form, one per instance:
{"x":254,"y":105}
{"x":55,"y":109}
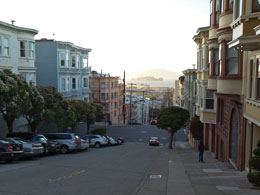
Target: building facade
{"x":246,"y":38}
{"x":205,"y":98}
{"x":106,"y":91}
{"x":189,"y":95}
{"x":64,"y":66}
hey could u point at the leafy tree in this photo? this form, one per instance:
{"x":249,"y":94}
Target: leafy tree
{"x":53,"y":101}
{"x":254,"y":162}
{"x":99,"y":113}
{"x":35,"y":110}
{"x":78,"y":108}
{"x":14,"y":96}
{"x":89,"y":116}
{"x":172,"y":119}
{"x":196,"y":128}
{"x":99,"y":130}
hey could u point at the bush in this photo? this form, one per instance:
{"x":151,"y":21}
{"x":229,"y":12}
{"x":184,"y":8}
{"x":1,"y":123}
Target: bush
{"x":99,"y":131}
{"x":196,"y":128}
{"x":254,"y":163}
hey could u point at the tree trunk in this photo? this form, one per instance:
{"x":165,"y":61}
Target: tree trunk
{"x":171,"y":140}
{"x":10,"y":125}
{"x":88,"y":126}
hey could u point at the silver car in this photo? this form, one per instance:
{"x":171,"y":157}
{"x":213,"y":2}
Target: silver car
{"x":68,"y":141}
{"x":30,"y":149}
{"x":96,"y":140}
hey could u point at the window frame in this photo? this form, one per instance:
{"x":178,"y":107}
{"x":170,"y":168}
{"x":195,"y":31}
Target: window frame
{"x":31,"y":49}
{"x":255,"y":11}
{"x":85,"y":82}
{"x":61,"y":84}
{"x":73,"y":84}
{"x":22,"y":49}
{"x":62,"y":53}
{"x":6,"y":47}
{"x":73,"y":62}
{"x":207,"y":99}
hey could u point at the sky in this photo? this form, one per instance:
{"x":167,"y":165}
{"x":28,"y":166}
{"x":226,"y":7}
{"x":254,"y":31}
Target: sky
{"x":124,"y":35}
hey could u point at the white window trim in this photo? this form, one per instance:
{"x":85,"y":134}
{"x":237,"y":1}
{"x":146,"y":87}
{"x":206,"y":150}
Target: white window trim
{"x":73,"y":55}
{"x":65,"y":78}
{"x":84,"y":82}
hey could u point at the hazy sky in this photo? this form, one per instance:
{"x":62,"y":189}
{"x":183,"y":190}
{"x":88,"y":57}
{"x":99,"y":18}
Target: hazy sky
{"x":130,"y":35}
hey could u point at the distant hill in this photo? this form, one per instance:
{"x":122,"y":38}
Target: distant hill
{"x":166,"y":77}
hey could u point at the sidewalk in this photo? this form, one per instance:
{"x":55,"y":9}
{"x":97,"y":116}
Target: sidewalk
{"x":187,"y":176}
{"x":178,"y":172}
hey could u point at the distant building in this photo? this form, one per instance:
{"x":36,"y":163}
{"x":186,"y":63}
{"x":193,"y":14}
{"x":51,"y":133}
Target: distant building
{"x":106,"y":91}
{"x":64,"y":66}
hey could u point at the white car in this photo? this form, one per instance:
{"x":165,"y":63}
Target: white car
{"x":84,"y":144}
{"x":96,"y":140}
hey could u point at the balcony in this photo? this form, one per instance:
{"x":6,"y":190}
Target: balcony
{"x":252,"y":110}
{"x":246,"y":33}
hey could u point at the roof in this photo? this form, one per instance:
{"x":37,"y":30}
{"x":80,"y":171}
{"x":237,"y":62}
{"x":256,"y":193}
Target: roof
{"x":21,"y":29}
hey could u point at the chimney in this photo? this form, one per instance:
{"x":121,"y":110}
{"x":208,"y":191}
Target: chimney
{"x":193,"y":66}
{"x":13,"y":21}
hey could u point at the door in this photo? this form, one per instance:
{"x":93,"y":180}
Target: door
{"x":234,"y":137}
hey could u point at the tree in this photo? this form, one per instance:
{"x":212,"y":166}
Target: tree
{"x":254,"y":162}
{"x":14,"y":96}
{"x":89,"y":116}
{"x":53,"y":101}
{"x":172,"y":119}
{"x":196,"y":128}
{"x":99,"y":113}
{"x":35,"y":110}
{"x":78,"y":108}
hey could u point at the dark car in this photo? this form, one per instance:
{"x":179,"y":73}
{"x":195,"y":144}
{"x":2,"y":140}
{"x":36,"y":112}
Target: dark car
{"x":9,"y":151}
{"x":153,"y":122}
{"x":154,"y":141}
{"x":48,"y":145}
{"x":121,"y":139}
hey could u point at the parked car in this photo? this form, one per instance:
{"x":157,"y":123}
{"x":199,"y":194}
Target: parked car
{"x":84,"y":145}
{"x":111,"y":141}
{"x":68,"y":141}
{"x":121,"y":139}
{"x":10,"y":151}
{"x":153,"y":122}
{"x":154,"y":141}
{"x":30,"y":149}
{"x":133,"y":122}
{"x":48,"y":146}
{"x":96,"y":140}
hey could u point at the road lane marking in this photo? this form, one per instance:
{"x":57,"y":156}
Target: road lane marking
{"x":59,"y":179}
{"x":155,"y":176}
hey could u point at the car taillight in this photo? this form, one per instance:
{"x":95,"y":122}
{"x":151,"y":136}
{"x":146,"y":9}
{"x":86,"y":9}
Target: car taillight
{"x":84,"y":142}
{"x":76,"y":140}
{"x":157,"y":141}
{"x":150,"y":140}
{"x":35,"y":145}
{"x":10,"y":148}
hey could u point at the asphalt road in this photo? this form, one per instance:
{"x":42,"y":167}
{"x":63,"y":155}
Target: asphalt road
{"x":109,"y":170}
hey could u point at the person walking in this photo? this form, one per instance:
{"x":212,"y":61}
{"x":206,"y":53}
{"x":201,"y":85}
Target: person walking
{"x":201,"y":151}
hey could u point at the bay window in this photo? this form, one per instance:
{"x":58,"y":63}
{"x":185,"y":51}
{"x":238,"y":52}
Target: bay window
{"x":31,"y":49}
{"x":22,"y":48}
{"x":209,"y":100}
{"x":216,"y":62}
{"x":5,"y":46}
{"x":256,"y":6}
{"x":62,"y":59}
{"x":232,"y":61}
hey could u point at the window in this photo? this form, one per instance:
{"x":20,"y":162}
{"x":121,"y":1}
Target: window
{"x":238,"y":9}
{"x":114,"y":113}
{"x":258,"y":80}
{"x":256,"y":6}
{"x":68,"y":84}
{"x":217,"y":11}
{"x":67,"y":60}
{"x":102,"y":85}
{"x":92,"y":84}
{"x":202,"y":97}
{"x":198,"y":60}
{"x":232,"y":61}
{"x":230,"y":4}
{"x":31,"y":49}
{"x":211,"y":8}
{"x":112,"y":95}
{"x":63,"y":84}
{"x":74,"y":83}
{"x":22,"y":48}
{"x":85,"y":63}
{"x":115,"y":94}
{"x":73,"y":61}
{"x":251,"y":70}
{"x":216,"y":62}
{"x":112,"y":84}
{"x":107,"y":85}
{"x":222,"y":6}
{"x":78,"y":61}
{"x":107,"y":97}
{"x":0,"y":46}
{"x":115,"y":104}
{"x":62,"y":59}
{"x":102,"y":96}
{"x":85,"y":82}
{"x":209,"y":100}
{"x":5,"y":46}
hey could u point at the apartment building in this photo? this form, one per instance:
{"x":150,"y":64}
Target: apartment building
{"x":17,"y":50}
{"x":205,"y":98}
{"x":105,"y":90}
{"x":64,"y":66}
{"x":246,"y":38}
{"x":189,"y":95}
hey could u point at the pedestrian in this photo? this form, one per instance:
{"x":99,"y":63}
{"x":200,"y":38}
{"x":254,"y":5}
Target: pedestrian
{"x":201,"y":151}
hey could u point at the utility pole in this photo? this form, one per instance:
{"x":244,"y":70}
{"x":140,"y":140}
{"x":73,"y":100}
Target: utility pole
{"x":130,"y":114}
{"x":124,"y":98}
{"x":143,"y":108}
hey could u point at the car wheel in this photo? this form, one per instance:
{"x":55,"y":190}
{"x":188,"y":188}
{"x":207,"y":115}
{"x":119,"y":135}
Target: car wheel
{"x":64,"y":149}
{"x":97,"y":145}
